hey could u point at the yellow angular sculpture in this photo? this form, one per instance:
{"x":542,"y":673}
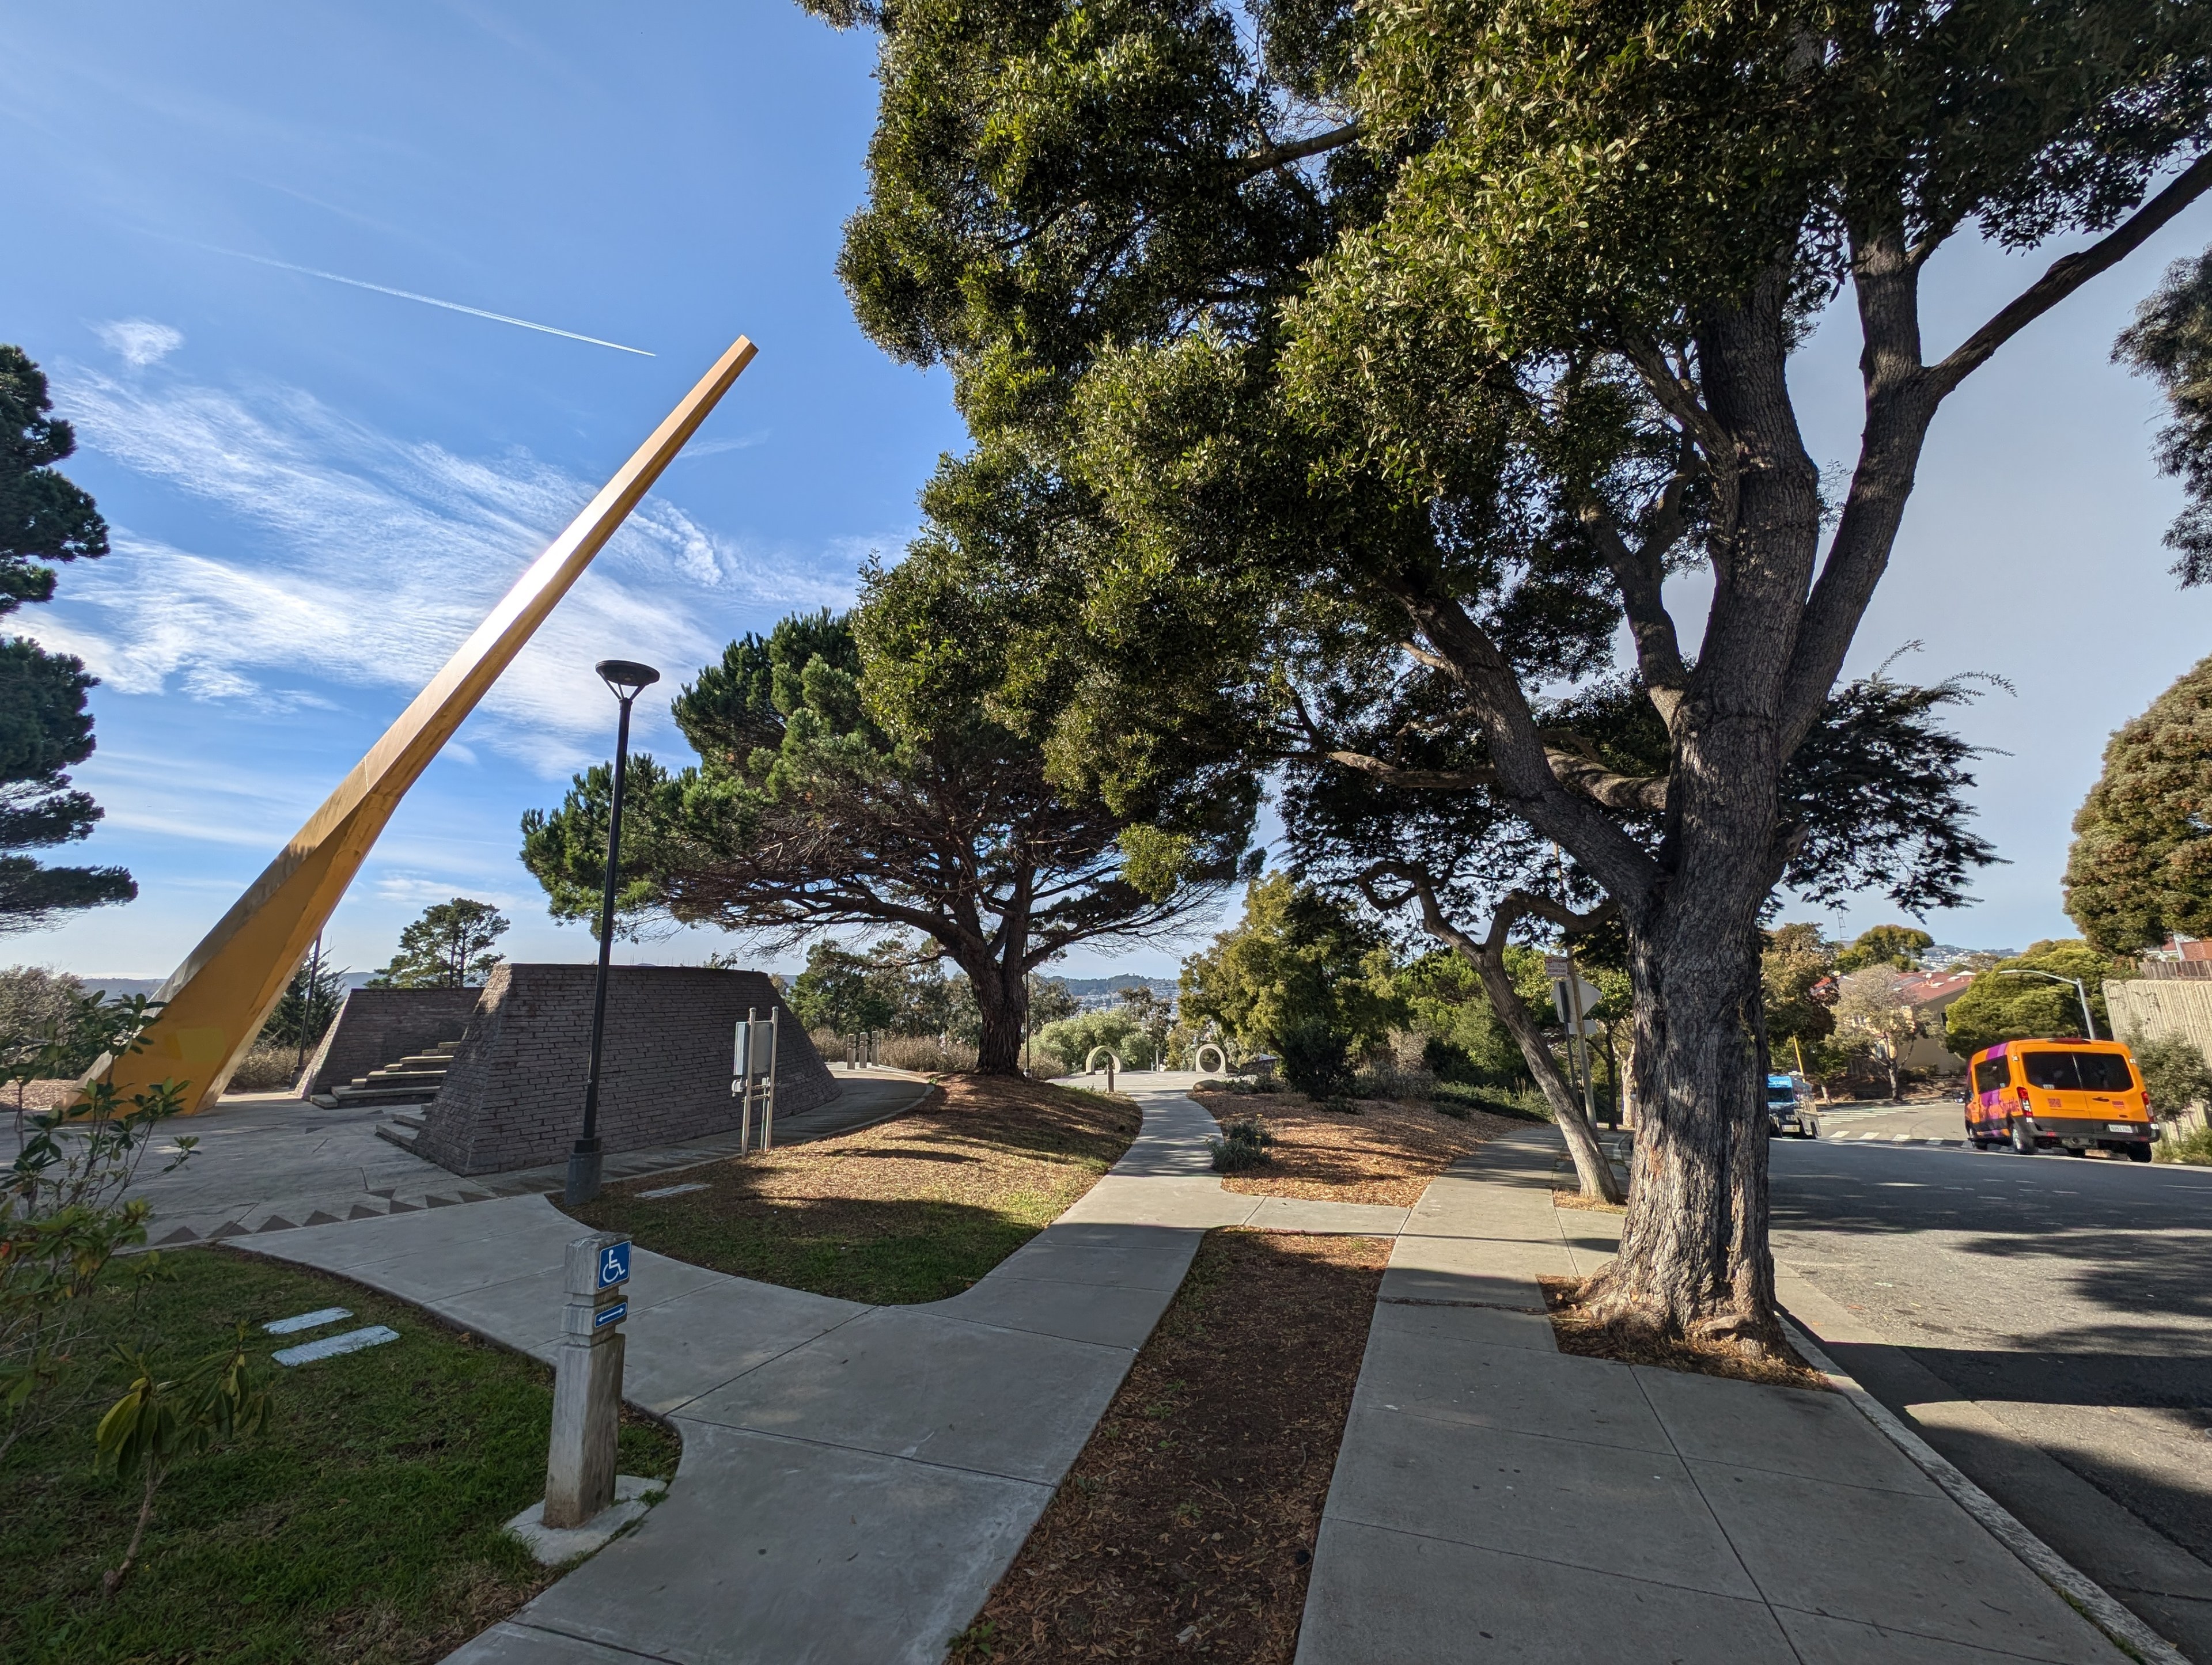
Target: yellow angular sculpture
{"x":218,"y":998}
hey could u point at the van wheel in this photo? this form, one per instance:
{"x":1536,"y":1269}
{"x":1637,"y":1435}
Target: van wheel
{"x":2023,"y":1142}
{"x":2074,"y":1150}
{"x":2138,"y":1153}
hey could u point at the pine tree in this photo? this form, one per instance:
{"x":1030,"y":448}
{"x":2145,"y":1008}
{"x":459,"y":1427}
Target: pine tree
{"x":45,"y":729}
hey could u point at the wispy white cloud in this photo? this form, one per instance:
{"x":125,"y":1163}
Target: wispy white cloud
{"x":376,"y":557}
{"x":139,"y":341}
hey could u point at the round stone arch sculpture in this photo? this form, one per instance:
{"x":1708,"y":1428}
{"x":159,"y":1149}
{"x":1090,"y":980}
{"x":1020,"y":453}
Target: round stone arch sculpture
{"x":1091,"y":1064}
{"x":1220,"y":1059}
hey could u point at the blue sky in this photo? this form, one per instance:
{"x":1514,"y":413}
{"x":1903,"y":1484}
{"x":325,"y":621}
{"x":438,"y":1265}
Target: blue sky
{"x":315,"y":489}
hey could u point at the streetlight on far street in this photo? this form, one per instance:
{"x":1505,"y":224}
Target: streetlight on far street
{"x":627,"y":679}
{"x":2081,"y":990}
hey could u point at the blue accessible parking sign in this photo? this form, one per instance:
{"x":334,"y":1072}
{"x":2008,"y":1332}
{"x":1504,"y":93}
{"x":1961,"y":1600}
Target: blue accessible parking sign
{"x":614,"y":1265}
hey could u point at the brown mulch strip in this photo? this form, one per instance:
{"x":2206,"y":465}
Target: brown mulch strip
{"x":1595,"y":1205}
{"x":1386,"y":1154}
{"x":1578,"y":1332}
{"x":1188,"y":1523}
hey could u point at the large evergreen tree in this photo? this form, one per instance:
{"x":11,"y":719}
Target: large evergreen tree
{"x":858,"y":774}
{"x":2141,"y":867}
{"x":1478,"y":320}
{"x":45,"y":729}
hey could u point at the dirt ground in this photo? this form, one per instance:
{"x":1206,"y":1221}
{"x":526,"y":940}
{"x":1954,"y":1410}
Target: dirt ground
{"x":1386,"y":1154}
{"x":1578,"y":1332}
{"x":1187,"y":1524}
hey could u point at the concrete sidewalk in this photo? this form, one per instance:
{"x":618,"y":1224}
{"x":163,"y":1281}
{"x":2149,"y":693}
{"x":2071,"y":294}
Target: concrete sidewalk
{"x":1495,"y":1499}
{"x":854,"y":1480}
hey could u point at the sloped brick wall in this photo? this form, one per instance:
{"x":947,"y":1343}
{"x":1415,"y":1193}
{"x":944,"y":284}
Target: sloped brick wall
{"x":379,"y":1026}
{"x":515,"y":1097}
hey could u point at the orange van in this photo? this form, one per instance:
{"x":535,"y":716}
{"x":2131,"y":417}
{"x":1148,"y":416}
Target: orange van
{"x":2071,"y":1096}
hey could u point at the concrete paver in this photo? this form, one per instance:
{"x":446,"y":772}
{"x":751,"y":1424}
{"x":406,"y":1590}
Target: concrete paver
{"x":1494,"y":1499}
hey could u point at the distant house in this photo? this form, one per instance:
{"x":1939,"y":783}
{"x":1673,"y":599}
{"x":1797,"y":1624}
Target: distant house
{"x":1929,"y":993}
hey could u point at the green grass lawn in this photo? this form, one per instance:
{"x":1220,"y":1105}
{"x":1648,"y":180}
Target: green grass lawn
{"x":914,"y":1210}
{"x":364,"y":1525}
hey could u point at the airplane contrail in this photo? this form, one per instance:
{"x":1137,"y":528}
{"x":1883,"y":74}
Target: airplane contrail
{"x":427,"y":299}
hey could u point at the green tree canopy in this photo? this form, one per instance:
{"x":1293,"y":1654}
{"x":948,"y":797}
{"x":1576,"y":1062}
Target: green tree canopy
{"x":1469,"y":327}
{"x":1996,"y":1007}
{"x":450,"y":946}
{"x":862,"y":772}
{"x":839,"y":992}
{"x":1298,"y":955}
{"x":45,"y":729}
{"x":2141,"y":867}
{"x":1897,"y":946}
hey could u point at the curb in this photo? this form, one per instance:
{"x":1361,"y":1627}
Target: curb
{"x":2088,"y":1598}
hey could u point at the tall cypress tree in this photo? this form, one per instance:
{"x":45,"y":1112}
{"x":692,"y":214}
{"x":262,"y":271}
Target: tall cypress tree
{"x":44,"y":518}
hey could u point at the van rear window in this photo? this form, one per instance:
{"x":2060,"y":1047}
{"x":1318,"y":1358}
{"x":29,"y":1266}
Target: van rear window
{"x":2079,"y":1072}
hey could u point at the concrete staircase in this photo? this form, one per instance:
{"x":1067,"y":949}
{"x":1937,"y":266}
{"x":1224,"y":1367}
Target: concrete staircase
{"x":414,"y":1079}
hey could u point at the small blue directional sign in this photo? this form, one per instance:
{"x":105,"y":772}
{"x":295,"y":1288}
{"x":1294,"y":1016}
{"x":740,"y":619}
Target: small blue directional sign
{"x":613,"y":1315}
{"x":614,"y":1265}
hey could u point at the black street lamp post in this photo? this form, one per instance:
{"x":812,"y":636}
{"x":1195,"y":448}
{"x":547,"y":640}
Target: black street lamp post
{"x":627,"y":679}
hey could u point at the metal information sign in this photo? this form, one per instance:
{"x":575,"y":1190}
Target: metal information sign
{"x":753,"y":1077}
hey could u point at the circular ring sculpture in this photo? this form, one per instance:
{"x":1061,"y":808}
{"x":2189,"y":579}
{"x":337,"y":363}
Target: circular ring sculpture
{"x":1220,"y":1059}
{"x":1091,"y":1064}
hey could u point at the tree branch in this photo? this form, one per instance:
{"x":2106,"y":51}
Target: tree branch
{"x":1251,"y":166}
{"x":1488,"y":959}
{"x":2070,"y":273}
{"x":1638,"y":574}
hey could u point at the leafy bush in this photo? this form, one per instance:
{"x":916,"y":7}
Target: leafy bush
{"x":1387,"y":1079}
{"x":2174,"y":1072}
{"x":1314,"y":1059}
{"x":64,"y":1218}
{"x":1243,"y":1144}
{"x":1071,"y":1040}
{"x":2191,"y":1145}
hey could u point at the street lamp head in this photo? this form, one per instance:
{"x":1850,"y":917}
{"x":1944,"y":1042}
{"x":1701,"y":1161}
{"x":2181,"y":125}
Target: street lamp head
{"x":627,"y":678}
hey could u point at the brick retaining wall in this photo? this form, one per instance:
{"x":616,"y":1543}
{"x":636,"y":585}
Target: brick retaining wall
{"x":379,"y":1026}
{"x":515,"y":1097}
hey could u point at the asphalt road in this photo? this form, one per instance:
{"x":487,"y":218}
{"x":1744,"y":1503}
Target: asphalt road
{"x":2061,"y":1306}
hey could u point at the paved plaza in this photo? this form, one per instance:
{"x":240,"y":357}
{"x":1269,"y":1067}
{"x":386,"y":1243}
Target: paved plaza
{"x":268,"y":1162}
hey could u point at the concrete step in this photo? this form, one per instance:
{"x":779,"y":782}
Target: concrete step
{"x":354,"y":1095}
{"x":398,"y":1078}
{"x":413,"y":1121}
{"x":403,"y":1137}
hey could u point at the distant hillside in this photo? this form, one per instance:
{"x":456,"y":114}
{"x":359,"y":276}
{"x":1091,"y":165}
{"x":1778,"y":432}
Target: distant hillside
{"x":1084,"y":987}
{"x":124,"y":988}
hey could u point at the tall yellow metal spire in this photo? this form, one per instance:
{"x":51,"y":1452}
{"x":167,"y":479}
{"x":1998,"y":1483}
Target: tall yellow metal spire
{"x":218,"y":998}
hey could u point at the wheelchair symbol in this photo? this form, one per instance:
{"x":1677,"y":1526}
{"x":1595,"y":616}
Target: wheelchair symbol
{"x":614,"y":1265}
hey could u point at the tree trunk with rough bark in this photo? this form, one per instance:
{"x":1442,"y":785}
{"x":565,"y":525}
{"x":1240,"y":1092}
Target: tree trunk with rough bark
{"x":1002,"y":1004}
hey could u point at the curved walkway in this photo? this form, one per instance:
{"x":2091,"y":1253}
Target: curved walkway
{"x":854,"y":1478}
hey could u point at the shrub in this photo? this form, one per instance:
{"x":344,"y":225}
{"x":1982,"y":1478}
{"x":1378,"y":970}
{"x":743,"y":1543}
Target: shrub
{"x":2174,"y":1074}
{"x":1314,"y":1059}
{"x":1389,"y":1079}
{"x":924,"y":1054}
{"x":2191,"y":1145}
{"x":1243,"y":1144}
{"x":266,"y":1068}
